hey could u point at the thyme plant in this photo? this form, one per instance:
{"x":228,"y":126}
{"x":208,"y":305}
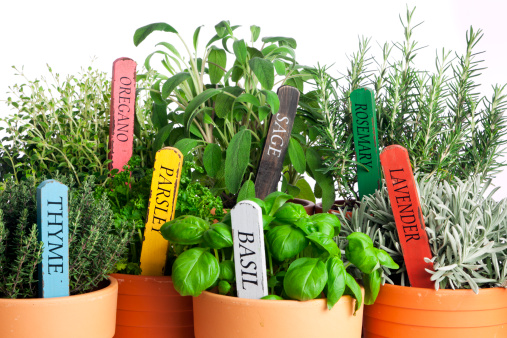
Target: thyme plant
{"x":466,"y":227}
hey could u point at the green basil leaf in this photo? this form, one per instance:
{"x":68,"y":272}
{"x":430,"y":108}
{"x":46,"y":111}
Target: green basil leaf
{"x":240,"y":51}
{"x":173,"y":82}
{"x":217,"y":61}
{"x":264,"y":71}
{"x":275,"y":200}
{"x":143,"y":32}
{"x":266,"y":222}
{"x":260,"y":203}
{"x":335,"y":281}
{"x":186,"y":230}
{"x":386,"y":260}
{"x":194,"y":271}
{"x":289,"y":213}
{"x":212,"y":159}
{"x":227,"y":271}
{"x":247,"y":191}
{"x":297,"y":156}
{"x":361,"y":253}
{"x":273,"y":100}
{"x":218,"y":236}
{"x":237,"y":160}
{"x":353,"y":289}
{"x":286,"y":242}
{"x":224,"y":287}
{"x":371,"y":284}
{"x":326,"y":223}
{"x":323,"y":242}
{"x":305,"y":278}
{"x":272,"y":297}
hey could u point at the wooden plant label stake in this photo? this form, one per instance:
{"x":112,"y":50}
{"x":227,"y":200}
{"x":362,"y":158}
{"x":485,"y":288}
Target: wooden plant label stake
{"x":161,"y":208}
{"x":277,"y":142}
{"x":407,"y":214}
{"x":364,"y":122}
{"x":249,"y":255}
{"x":53,"y":228}
{"x":122,"y":112}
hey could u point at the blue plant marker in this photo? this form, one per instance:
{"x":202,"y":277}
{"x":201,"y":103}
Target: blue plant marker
{"x":53,"y":228}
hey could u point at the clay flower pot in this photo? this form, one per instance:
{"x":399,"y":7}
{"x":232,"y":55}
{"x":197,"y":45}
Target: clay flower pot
{"x":149,"y":306}
{"x":231,"y":317}
{"x":346,"y":206}
{"x":308,"y":205}
{"x":414,"y":312}
{"x":88,"y":315}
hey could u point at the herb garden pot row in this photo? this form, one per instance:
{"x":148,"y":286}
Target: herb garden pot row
{"x":149,"y":306}
{"x":345,"y":206}
{"x":231,"y":317}
{"x":87,"y":315}
{"x":416,"y":312}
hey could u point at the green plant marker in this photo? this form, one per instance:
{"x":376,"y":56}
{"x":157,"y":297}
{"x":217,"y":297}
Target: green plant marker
{"x":53,"y":228}
{"x":364,"y":123}
{"x":277,"y":142}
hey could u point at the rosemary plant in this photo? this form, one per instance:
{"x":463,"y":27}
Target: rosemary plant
{"x":448,"y":128}
{"x":467,"y":231}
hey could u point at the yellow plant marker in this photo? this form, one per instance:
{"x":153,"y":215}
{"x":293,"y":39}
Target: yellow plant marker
{"x":161,"y":207}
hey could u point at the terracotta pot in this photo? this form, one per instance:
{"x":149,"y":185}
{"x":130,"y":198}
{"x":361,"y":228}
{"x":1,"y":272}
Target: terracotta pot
{"x":338,"y":205}
{"x":231,"y":317}
{"x":149,"y":306}
{"x":88,"y":315}
{"x":414,"y":312}
{"x":308,"y":205}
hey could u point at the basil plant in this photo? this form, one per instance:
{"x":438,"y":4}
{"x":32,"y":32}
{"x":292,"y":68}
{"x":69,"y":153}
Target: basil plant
{"x":304,"y":261}
{"x":215,"y":104}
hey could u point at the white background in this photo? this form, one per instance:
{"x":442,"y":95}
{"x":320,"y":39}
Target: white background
{"x":67,"y":35}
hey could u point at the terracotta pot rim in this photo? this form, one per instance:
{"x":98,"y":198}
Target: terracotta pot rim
{"x":113,"y":284}
{"x":303,"y":202}
{"x":456,"y":292}
{"x":273,"y":302}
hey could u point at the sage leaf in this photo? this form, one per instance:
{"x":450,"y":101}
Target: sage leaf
{"x":161,"y":137}
{"x":273,"y":100}
{"x":237,"y":160}
{"x":212,"y":159}
{"x":325,"y":181}
{"x":194,"y":271}
{"x":248,"y":98}
{"x":186,"y":145}
{"x":305,"y":278}
{"x":173,"y":82}
{"x":143,"y":32}
{"x":217,"y":61}
{"x":190,"y":111}
{"x":256,"y":31}
{"x":239,"y":48}
{"x":225,"y":102}
{"x":247,"y":191}
{"x":264,"y":71}
{"x":297,"y":156}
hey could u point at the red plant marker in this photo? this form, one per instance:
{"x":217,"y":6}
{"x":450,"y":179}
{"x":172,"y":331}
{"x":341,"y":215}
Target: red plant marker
{"x":122,"y":113}
{"x":407,"y":214}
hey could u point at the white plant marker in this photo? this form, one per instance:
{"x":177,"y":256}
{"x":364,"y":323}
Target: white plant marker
{"x":249,"y":255}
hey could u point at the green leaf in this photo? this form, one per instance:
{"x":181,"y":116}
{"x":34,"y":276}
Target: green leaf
{"x":292,"y":190}
{"x":272,"y":99}
{"x":161,"y":137}
{"x":305,"y":190}
{"x":224,"y":102}
{"x":247,"y":191}
{"x":336,"y":280}
{"x":323,"y":242}
{"x":371,"y":283}
{"x":173,"y":82}
{"x":279,"y":67}
{"x":264,"y":71}
{"x":281,"y":41}
{"x":256,"y":31}
{"x":326,"y":223}
{"x":170,"y":47}
{"x":224,"y":287}
{"x":190,"y":111}
{"x":222,"y":28}
{"x":237,"y":159}
{"x":218,"y":236}
{"x":237,"y":72}
{"x":227,"y":271}
{"x":186,"y":145}
{"x":143,"y":32}
{"x":285,"y":242}
{"x":240,"y":51}
{"x":385,"y":259}
{"x":297,"y":156}
{"x":196,"y":36}
{"x":159,"y":115}
{"x":155,"y":93}
{"x":275,"y":200}
{"x":212,"y":159}
{"x":305,"y":279}
{"x":354,"y":290}
{"x":184,"y":230}
{"x":248,"y":98}
{"x":217,"y":61}
{"x":289,"y":213}
{"x":272,"y":297}
{"x":325,"y":181}
{"x":361,"y":253}
{"x":194,"y":271}
{"x":264,"y":112}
